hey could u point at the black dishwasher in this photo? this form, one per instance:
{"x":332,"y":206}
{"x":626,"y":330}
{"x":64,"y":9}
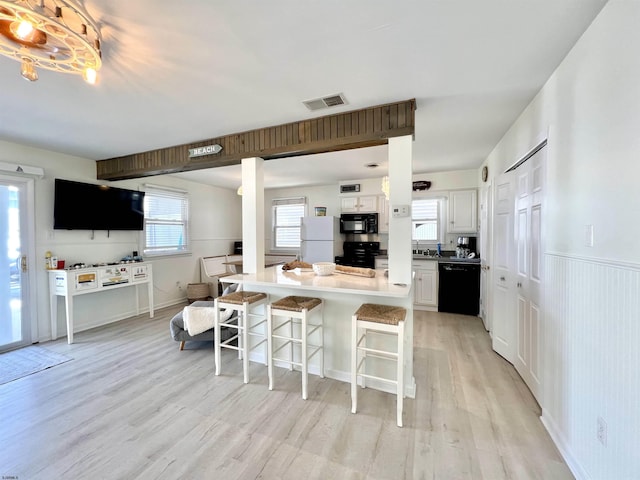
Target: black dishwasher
{"x":459,"y":288}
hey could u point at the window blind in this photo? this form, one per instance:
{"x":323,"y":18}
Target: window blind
{"x":166,"y":214}
{"x":287,"y":213}
{"x":425,"y":219}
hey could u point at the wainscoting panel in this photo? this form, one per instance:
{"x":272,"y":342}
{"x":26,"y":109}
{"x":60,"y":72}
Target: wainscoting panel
{"x":592,"y":365}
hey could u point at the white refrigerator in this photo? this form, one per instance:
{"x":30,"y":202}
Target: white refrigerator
{"x":320,"y":239}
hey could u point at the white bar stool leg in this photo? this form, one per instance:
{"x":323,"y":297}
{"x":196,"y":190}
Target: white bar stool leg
{"x":321,"y":340}
{"x":241,"y":316}
{"x":304,"y":354}
{"x":354,"y":364}
{"x":270,"y":346}
{"x":291,"y":349}
{"x":400,"y":376}
{"x":216,"y":336}
{"x":245,"y":342}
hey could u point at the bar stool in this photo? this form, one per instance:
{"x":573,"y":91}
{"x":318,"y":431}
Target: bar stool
{"x":298,"y":311}
{"x":244,"y":303}
{"x":382,"y":320}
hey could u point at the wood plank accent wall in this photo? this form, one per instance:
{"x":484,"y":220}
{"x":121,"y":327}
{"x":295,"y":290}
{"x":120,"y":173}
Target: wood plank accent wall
{"x":360,"y":128}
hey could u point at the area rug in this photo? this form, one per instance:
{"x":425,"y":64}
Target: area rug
{"x":27,"y":361}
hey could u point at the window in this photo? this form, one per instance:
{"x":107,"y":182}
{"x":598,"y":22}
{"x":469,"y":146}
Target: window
{"x":425,"y":220}
{"x":166,"y":216}
{"x":286,"y":221}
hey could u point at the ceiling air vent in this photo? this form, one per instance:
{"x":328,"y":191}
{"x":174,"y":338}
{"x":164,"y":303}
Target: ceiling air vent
{"x":326,"y":102}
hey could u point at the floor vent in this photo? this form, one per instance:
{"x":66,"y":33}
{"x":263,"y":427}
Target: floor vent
{"x":325,"y":102}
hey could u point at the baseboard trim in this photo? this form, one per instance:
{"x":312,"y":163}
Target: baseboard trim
{"x":562,"y":447}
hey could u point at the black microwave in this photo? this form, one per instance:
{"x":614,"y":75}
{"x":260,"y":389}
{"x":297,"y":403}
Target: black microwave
{"x":359,"y":223}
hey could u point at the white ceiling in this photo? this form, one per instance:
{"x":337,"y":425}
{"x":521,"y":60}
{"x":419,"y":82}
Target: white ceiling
{"x":177,"y":72}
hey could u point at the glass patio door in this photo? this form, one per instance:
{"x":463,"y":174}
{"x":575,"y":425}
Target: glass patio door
{"x":15,"y":324}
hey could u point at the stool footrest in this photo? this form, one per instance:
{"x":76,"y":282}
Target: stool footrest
{"x":374,"y":377}
{"x":316,"y":349}
{"x":372,"y":352}
{"x":254,"y":327}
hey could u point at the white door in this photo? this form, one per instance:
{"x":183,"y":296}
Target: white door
{"x":16,"y":254}
{"x":528,"y":238}
{"x":485,"y":241}
{"x":503,"y":325}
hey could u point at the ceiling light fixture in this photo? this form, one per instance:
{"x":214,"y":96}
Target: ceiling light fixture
{"x":55,"y":35}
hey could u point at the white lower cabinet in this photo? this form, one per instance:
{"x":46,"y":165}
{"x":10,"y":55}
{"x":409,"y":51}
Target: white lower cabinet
{"x":382,"y":263}
{"x":426,"y":285}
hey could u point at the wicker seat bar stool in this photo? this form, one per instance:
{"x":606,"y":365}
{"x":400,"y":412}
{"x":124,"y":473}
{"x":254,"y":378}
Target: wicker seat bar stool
{"x":378,"y":320}
{"x":244,"y":303}
{"x":298,"y":312}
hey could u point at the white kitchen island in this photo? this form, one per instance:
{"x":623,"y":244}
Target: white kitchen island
{"x":342,"y":294}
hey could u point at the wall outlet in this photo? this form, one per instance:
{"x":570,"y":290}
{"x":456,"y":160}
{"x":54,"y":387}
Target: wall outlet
{"x":601,"y":431}
{"x":179,"y":285}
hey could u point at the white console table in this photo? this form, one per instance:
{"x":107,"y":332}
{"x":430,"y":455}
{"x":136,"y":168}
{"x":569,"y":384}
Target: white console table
{"x":72,"y":282}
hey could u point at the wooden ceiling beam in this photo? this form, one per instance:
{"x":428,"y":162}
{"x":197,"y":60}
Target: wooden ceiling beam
{"x":342,"y":131}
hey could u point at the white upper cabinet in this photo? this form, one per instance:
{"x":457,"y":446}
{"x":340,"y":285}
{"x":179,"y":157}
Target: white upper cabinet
{"x":364,"y":204}
{"x":463,"y":211}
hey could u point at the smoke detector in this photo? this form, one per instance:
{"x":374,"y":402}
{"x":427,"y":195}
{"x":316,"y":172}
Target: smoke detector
{"x":325,"y":102}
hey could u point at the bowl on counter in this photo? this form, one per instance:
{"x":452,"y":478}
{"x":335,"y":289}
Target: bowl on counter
{"x":324,"y":268}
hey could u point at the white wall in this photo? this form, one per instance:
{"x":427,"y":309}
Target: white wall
{"x":453,"y":180}
{"x":215,"y":223}
{"x":590,"y":108}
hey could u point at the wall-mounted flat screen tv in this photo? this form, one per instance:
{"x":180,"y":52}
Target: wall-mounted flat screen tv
{"x":85,"y":206}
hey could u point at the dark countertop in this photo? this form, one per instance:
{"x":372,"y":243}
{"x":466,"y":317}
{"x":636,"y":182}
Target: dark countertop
{"x":448,"y":259}
{"x":458,"y":260}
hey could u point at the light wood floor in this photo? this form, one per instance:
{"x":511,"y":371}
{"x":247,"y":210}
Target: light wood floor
{"x":132,"y":406}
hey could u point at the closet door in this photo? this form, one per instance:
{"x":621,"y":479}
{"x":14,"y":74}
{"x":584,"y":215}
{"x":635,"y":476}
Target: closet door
{"x":528,"y":274}
{"x":503,"y":325}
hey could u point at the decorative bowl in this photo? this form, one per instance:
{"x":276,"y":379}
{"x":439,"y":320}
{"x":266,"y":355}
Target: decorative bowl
{"x":324,"y":268}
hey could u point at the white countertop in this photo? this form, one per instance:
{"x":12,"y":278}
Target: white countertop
{"x":337,"y":283}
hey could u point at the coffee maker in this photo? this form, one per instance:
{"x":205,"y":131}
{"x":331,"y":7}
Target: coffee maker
{"x":466,"y":246}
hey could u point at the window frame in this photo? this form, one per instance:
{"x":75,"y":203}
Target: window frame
{"x":281,"y":202}
{"x":441,"y":219}
{"x":159,"y":191}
